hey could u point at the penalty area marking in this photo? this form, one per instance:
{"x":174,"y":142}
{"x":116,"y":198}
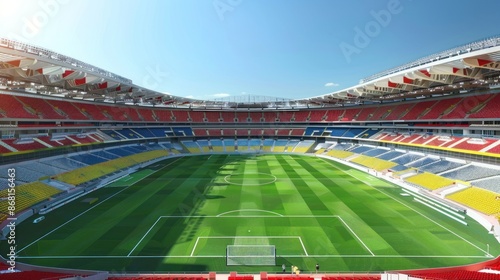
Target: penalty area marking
{"x":280,"y":216}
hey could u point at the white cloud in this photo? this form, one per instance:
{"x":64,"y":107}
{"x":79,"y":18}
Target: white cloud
{"x":331,"y":84}
{"x":219,"y":95}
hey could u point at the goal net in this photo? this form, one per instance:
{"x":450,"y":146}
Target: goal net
{"x":251,"y":255}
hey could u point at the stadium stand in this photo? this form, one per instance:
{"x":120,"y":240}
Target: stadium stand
{"x":335,"y":132}
{"x":361,"y":149}
{"x":439,"y":166}
{"x":191,"y":146}
{"x":36,"y":275}
{"x":406,"y":158}
{"x":339,"y":154}
{"x":482,"y":200}
{"x":390,"y":155}
{"x":229,"y":145}
{"x":457,"y":274}
{"x":254,"y":144}
{"x":471,"y":172}
{"x":146,"y":115}
{"x":40,"y":106}
{"x":353,"y":132}
{"x":213,"y":117}
{"x":488,"y":108}
{"x":91,"y":172}
{"x":373,"y":163}
{"x":283,"y":132}
{"x":375,"y":152}
{"x":217,"y":145}
{"x":303,"y":146}
{"x":429,"y":181}
{"x":242,"y":145}
{"x":268,"y":145}
{"x":28,"y":195}
{"x":214,"y":132}
{"x":285,"y":117}
{"x":440,"y":108}
{"x":204,"y":145}
{"x":490,"y":183}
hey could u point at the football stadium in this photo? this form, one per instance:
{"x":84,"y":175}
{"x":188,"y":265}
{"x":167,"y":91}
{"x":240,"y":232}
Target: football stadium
{"x":396,"y":177}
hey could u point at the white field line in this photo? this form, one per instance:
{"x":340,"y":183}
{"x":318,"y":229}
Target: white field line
{"x":355,"y":235}
{"x":249,"y":210}
{"x":303,"y":247}
{"x":248,"y":237}
{"x":285,"y":256}
{"x":143,"y":236}
{"x":86,"y":211}
{"x":411,"y":208}
{"x":195,"y":244}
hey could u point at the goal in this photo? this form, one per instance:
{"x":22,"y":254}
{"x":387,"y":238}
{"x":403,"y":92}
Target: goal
{"x":251,"y":255}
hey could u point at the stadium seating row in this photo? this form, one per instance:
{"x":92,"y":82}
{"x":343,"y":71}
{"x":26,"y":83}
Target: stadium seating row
{"x":26,"y":195}
{"x":91,"y":172}
{"x":34,"y":107}
{"x":482,"y":200}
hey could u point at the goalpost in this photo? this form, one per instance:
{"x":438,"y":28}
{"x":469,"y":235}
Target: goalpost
{"x":251,"y":255}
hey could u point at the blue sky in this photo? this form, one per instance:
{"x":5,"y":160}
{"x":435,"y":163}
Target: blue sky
{"x":281,"y":48}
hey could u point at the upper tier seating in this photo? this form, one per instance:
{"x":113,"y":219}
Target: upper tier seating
{"x":490,"y":109}
{"x":403,"y":160}
{"x":63,"y":163}
{"x":41,"y":107}
{"x":417,"y":110}
{"x":440,"y":107}
{"x":390,"y":155}
{"x":399,"y":111}
{"x":352,"y":132}
{"x":471,"y":172}
{"x":488,"y":184}
{"x":375,"y":152}
{"x":336,"y":132}
{"x":72,"y":112}
{"x":440,"y":166}
{"x":361,"y":149}
{"x":197,"y":117}
{"x":12,"y":108}
{"x":465,"y":106}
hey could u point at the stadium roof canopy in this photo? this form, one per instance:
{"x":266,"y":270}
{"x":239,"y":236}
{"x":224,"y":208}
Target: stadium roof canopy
{"x":471,"y":67}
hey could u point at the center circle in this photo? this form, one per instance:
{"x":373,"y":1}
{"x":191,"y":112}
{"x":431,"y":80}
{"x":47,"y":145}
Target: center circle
{"x":250,"y":179}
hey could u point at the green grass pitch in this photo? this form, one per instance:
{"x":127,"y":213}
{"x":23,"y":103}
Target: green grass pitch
{"x":180,"y":214}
